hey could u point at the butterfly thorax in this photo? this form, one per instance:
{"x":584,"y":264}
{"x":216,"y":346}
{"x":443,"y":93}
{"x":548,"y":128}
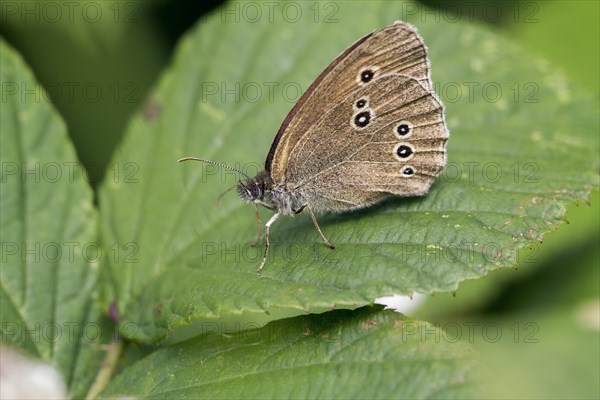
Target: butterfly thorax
{"x":261,"y":190}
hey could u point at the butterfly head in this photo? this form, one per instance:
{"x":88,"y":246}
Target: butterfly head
{"x":257,"y":189}
{"x":250,"y":190}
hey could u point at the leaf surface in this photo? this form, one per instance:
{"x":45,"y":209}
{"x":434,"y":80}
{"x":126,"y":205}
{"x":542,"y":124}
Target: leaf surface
{"x":366,"y":353}
{"x":50,"y":254}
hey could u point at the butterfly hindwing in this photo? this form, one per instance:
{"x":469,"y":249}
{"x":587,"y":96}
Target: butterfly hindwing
{"x":399,"y":150}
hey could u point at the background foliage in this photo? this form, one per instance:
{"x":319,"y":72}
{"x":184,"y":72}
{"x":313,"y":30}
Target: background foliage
{"x":542,"y":315}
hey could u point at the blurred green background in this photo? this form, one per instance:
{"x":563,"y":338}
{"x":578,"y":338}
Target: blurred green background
{"x":547,"y":310}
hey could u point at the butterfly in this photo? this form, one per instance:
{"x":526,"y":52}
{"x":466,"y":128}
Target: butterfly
{"x":370,"y":126}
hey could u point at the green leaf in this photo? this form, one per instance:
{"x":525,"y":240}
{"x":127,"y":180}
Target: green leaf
{"x":523,"y":144}
{"x":367,"y":353}
{"x":539,"y":272}
{"x":49,"y":259}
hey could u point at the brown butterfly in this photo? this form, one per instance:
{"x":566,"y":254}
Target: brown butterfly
{"x":370,"y":126}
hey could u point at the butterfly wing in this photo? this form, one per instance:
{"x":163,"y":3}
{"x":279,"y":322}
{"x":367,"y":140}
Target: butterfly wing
{"x":388,"y":138}
{"x":396,"y":49}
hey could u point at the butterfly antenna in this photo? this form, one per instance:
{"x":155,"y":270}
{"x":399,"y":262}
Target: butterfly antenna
{"x":218,"y":164}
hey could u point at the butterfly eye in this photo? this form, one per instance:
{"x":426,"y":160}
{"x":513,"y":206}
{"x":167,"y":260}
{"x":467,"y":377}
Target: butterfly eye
{"x":404,"y":129}
{"x":404,"y":151}
{"x":407,"y":171}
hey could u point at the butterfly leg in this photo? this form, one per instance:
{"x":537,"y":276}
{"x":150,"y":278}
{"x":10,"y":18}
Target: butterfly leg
{"x":267,"y":226}
{"x":314,"y":220}
{"x":258,"y":223}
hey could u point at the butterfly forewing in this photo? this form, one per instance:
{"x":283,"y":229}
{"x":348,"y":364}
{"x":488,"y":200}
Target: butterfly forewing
{"x":396,"y":49}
